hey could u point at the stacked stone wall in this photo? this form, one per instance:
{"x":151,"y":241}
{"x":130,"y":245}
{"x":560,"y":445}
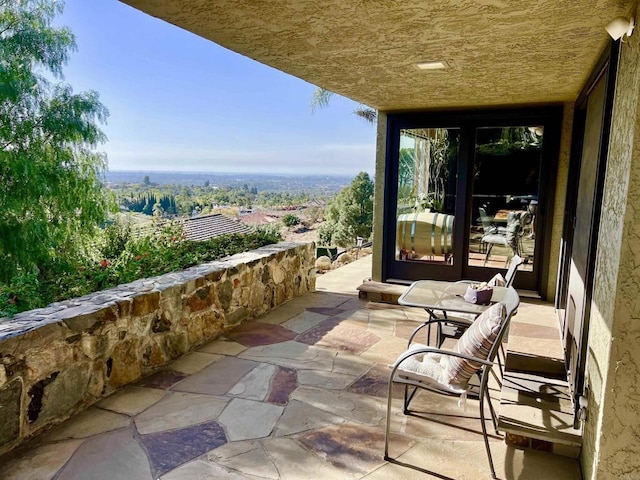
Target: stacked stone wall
{"x":58,"y":360}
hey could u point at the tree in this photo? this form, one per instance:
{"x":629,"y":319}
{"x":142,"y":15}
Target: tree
{"x":350,"y":214}
{"x":51,"y":196}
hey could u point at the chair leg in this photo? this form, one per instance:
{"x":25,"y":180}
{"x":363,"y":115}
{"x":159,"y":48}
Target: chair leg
{"x":407,"y":398}
{"x":486,"y":257}
{"x":484,"y":392}
{"x":388,"y":424}
{"x":494,"y":418}
{"x":500,"y":361}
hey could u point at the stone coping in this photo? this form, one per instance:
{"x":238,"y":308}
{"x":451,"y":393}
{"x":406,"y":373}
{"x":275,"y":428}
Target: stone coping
{"x":57,"y":360}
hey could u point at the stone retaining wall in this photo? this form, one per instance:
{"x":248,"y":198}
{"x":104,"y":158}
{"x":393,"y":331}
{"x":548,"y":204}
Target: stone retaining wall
{"x":58,"y":360}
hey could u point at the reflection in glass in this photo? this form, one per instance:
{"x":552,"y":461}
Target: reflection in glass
{"x":505,"y":195}
{"x":427,"y":173}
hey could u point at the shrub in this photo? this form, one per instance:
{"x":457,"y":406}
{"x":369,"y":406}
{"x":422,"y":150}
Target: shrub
{"x":122,"y":258}
{"x":290,"y":220}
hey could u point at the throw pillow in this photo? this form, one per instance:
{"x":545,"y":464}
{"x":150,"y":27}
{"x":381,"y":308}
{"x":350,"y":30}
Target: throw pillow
{"x":475,"y":342}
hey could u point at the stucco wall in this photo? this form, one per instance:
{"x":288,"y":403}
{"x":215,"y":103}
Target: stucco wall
{"x":611,"y":446}
{"x":378,"y":211}
{"x":58,"y":360}
{"x":559,"y":200}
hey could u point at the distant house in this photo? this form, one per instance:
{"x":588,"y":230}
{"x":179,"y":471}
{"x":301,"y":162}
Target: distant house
{"x":258,"y":219}
{"x":210,"y":226}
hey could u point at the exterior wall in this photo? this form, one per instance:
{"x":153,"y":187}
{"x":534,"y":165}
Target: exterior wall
{"x":611,"y":447}
{"x":58,"y":360}
{"x":378,"y":211}
{"x":559,"y":200}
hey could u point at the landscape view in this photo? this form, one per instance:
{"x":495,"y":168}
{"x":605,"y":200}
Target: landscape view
{"x":110,"y":177}
{"x":296,"y":206}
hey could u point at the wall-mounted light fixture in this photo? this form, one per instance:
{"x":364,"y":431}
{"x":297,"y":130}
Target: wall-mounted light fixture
{"x":619,"y":27}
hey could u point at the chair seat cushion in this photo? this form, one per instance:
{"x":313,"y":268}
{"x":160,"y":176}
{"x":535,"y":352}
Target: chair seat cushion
{"x":495,"y":238}
{"x":428,"y":369}
{"x":476,"y":341}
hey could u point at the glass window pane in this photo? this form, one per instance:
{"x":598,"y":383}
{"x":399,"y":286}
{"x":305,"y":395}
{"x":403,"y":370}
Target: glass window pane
{"x":427,"y":175}
{"x":505,"y":195}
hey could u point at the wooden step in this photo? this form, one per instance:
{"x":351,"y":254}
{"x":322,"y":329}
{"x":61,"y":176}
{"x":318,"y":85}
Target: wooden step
{"x":381,"y":292}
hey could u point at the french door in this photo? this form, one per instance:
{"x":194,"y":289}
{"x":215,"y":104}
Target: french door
{"x":464,"y":193}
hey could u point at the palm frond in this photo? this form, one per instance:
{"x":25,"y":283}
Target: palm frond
{"x":369,"y":114}
{"x":320,"y":98}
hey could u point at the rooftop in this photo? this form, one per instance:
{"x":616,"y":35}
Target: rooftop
{"x":298,"y":393}
{"x":210,"y":226}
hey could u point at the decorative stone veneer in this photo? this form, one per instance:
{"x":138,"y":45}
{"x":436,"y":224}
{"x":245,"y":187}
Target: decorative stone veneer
{"x":55,"y":361}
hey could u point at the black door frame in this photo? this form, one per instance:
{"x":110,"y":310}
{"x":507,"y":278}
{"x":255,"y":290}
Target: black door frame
{"x":467,"y":121}
{"x":607,"y":66}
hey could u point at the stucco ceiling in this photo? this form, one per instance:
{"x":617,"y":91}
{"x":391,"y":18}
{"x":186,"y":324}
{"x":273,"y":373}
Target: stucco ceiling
{"x":500,"y":52}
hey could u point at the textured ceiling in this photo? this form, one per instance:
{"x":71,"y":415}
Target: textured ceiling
{"x":500,"y":52}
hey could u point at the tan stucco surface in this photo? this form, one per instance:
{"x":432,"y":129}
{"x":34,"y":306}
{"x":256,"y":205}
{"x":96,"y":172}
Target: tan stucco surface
{"x":559,"y":199}
{"x":378,"y":205}
{"x":611,"y":447}
{"x":500,"y":52}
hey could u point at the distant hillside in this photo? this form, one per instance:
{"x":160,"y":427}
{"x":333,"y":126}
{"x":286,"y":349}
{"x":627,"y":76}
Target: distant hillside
{"x":311,"y":184}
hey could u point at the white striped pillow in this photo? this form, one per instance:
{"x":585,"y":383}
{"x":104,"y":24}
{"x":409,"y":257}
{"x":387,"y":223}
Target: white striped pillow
{"x":475,"y":342}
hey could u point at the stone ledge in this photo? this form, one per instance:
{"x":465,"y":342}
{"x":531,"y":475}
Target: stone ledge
{"x":57,"y":360}
{"x":380,"y":292}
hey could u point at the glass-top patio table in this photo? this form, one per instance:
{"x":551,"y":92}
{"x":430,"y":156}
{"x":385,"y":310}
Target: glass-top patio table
{"x":446,"y":297}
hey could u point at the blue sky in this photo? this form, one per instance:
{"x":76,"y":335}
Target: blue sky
{"x":179,"y":102}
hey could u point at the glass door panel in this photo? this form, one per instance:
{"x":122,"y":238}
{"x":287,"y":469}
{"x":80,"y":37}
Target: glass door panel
{"x":505,"y":193}
{"x":426,"y":195}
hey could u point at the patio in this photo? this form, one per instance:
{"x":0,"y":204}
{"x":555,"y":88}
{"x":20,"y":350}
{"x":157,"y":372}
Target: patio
{"x":298,"y":393}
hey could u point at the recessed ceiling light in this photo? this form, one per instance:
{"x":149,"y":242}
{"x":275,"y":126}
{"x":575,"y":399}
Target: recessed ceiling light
{"x":437,"y":65}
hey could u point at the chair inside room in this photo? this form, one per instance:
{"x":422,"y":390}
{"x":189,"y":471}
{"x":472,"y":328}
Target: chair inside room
{"x":449,"y":372}
{"x":509,"y":236}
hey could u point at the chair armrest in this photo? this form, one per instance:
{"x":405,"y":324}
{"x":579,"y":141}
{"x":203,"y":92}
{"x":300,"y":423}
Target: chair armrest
{"x":439,"y":351}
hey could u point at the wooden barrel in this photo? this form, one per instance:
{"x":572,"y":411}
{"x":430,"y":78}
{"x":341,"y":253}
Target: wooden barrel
{"x":425,"y":233}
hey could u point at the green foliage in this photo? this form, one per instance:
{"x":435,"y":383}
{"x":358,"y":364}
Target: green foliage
{"x":423,"y":170}
{"x":313,"y":214}
{"x":122,"y":257}
{"x":512,"y":140}
{"x":290,"y":220}
{"x":350,"y":214}
{"x":22,"y":293}
{"x":50,"y":177}
{"x":322,"y":97}
{"x":325,"y":234}
{"x":145,"y":202}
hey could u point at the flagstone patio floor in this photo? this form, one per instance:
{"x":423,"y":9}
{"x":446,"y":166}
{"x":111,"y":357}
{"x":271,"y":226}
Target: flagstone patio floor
{"x":299,"y":393}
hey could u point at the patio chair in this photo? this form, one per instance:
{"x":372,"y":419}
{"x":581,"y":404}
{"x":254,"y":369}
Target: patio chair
{"x":448,"y":371}
{"x":506,"y":237}
{"x":498,"y":280}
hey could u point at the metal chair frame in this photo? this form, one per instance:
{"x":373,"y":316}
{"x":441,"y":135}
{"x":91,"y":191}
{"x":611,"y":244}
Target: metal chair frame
{"x":511,"y":302}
